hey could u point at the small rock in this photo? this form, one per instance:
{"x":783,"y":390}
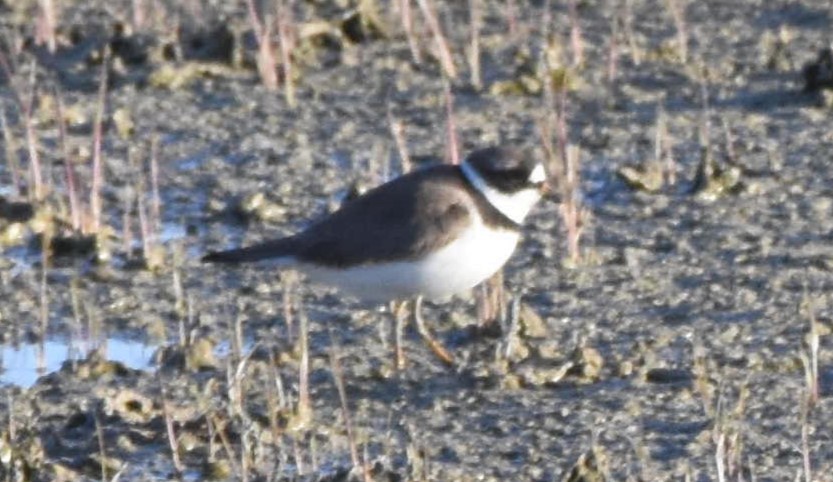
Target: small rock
{"x":74,"y":245}
{"x":364,"y":23}
{"x":668,"y":376}
{"x":826,"y":99}
{"x":16,"y":211}
{"x":819,"y":74}
{"x":96,"y":366}
{"x":532,"y":325}
{"x":200,"y":355}
{"x":714,"y":180}
{"x":647,"y":177}
{"x":625,"y":368}
{"x":197,"y":356}
{"x":129,"y":405}
{"x":546,"y":376}
{"x":511,"y":382}
{"x":218,"y":469}
{"x":548,"y":350}
{"x":154,"y":259}
{"x":257,"y":206}
{"x":13,"y":234}
{"x":587,"y":364}
{"x":592,"y":466}
{"x":124,"y":123}
{"x":174,"y":77}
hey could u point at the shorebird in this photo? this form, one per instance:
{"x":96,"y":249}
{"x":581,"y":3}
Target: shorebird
{"x":431,"y":233}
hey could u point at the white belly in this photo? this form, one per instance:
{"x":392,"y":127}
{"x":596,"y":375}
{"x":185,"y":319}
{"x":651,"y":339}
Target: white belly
{"x":453,"y":269}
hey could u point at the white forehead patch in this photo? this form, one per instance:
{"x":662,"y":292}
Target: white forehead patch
{"x":538,"y":174}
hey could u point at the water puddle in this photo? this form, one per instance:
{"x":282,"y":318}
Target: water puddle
{"x":198,"y":159}
{"x":167,"y":233}
{"x":8,"y":190}
{"x":171,"y":232}
{"x":22,"y":364}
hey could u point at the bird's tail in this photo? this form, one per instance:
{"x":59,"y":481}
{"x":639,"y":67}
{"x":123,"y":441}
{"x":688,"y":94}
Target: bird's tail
{"x":279,"y":251}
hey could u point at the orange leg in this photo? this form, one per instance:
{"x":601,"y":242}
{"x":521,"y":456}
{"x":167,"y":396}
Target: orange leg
{"x":439,"y":350}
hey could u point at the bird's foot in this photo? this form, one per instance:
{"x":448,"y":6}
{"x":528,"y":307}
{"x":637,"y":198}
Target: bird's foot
{"x":436,"y":347}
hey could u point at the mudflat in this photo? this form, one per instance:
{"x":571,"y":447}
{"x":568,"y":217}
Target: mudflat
{"x":685,"y":335}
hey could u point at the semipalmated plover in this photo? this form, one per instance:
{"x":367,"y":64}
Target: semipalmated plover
{"x":432,"y":233}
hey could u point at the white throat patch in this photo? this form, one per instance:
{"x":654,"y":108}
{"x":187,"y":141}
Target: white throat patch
{"x":515,"y":206}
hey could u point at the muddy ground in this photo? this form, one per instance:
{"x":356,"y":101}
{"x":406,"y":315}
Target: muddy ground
{"x":677,"y":348}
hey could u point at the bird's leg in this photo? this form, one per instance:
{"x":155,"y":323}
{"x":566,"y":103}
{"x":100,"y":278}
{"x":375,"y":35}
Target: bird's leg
{"x":439,"y":350}
{"x":400,"y":315}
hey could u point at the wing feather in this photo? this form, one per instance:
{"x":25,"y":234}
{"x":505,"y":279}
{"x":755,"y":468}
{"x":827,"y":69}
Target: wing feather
{"x":403,"y":219}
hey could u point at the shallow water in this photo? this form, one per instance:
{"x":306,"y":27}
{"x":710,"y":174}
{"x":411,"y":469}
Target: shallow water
{"x":23,"y":363}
